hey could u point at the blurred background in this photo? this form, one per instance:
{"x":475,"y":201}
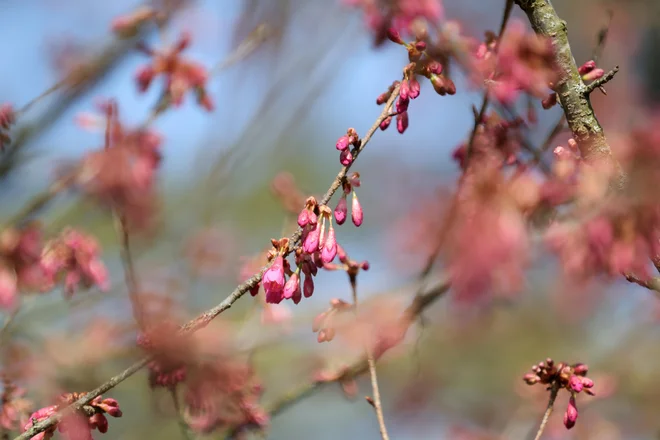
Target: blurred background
{"x":280,"y":110}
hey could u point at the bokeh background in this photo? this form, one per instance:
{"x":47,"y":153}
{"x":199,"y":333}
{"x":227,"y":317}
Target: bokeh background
{"x":281,"y":109}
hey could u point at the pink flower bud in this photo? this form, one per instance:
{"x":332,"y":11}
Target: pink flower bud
{"x":342,"y":254}
{"x":593,"y":75}
{"x":254,"y":290}
{"x":434,"y":68}
{"x":311,"y":243}
{"x":415,"y":88}
{"x":550,"y":101}
{"x":586,"y":67}
{"x":342,"y":143}
{"x":571,"y":414}
{"x":306,"y":217}
{"x":144,"y":77}
{"x":394,"y":36}
{"x":330,"y":248}
{"x":273,"y":280}
{"x":531,"y":378}
{"x":404,"y":90}
{"x":580,"y":369}
{"x":420,"y":46}
{"x":7,"y":115}
{"x":308,"y":286}
{"x":402,"y":122}
{"x":385,"y":123}
{"x":291,"y":286}
{"x":346,"y":157}
{"x":402,"y":104}
{"x":575,"y":382}
{"x":356,"y":211}
{"x":341,"y":210}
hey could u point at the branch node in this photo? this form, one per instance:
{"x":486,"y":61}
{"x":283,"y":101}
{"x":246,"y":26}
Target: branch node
{"x":598,"y":84}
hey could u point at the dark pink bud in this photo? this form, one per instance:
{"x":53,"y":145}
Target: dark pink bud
{"x":144,"y":77}
{"x":273,"y":280}
{"x":394,"y":36}
{"x":386,"y":123}
{"x":404,"y":90}
{"x":341,"y":210}
{"x":311,"y":243}
{"x":306,"y":217}
{"x":364,"y":265}
{"x":571,"y":414}
{"x":587,"y":67}
{"x":308,"y":286}
{"x":415,"y":88}
{"x":402,"y":104}
{"x":550,"y":101}
{"x":254,"y":290}
{"x":402,"y":122}
{"x":587,"y":383}
{"x":420,"y":46}
{"x":434,"y":68}
{"x":575,"y":383}
{"x":342,"y":143}
{"x":291,"y":286}
{"x":330,"y":248}
{"x":346,"y":157}
{"x":356,"y":211}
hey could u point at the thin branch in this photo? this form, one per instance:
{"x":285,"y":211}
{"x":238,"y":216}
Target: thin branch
{"x":419,"y":304}
{"x":580,"y":116}
{"x":375,"y":389}
{"x":601,"y":81}
{"x":546,"y":416}
{"x":205,"y":318}
{"x":130,"y":276}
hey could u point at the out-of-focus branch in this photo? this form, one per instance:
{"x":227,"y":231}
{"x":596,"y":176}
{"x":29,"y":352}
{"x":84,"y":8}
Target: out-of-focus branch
{"x":548,"y":410}
{"x":205,"y":318}
{"x":570,"y":89}
{"x":419,"y":304}
{"x":75,"y":85}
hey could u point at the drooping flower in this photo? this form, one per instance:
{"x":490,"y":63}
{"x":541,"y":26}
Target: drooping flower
{"x":273,"y":281}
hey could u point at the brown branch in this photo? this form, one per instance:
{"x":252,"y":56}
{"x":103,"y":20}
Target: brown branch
{"x":546,"y":416}
{"x":205,"y":318}
{"x":419,"y":304}
{"x":600,"y":81}
{"x":570,"y":89}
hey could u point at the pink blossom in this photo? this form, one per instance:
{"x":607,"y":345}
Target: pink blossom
{"x":292,"y":285}
{"x":329,"y":250}
{"x":341,"y":210}
{"x":273,"y":280}
{"x":356,"y":211}
{"x":571,"y":414}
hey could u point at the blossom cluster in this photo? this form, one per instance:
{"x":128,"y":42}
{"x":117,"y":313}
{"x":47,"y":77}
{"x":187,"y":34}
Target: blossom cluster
{"x":27,"y":264}
{"x":572,"y":378}
{"x":79,"y":424}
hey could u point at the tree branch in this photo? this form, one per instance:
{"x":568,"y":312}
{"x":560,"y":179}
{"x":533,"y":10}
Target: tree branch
{"x":570,"y":89}
{"x":600,"y":81}
{"x":205,"y":318}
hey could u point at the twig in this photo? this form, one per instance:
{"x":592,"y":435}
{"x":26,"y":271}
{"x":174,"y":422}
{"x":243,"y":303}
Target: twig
{"x":375,"y":389}
{"x":546,"y":416}
{"x":580,"y":116}
{"x":205,"y":318}
{"x":600,"y":81}
{"x":419,"y":304}
{"x":251,"y":43}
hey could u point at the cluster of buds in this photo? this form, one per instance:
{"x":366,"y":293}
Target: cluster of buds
{"x":346,"y":143}
{"x":323,"y":324}
{"x":181,"y":74}
{"x":74,"y":256}
{"x":80,"y":424}
{"x":7,"y":119}
{"x":399,"y":15}
{"x":341,"y":210}
{"x":519,"y":62}
{"x":409,"y":87}
{"x":122,"y":174}
{"x":572,"y":378}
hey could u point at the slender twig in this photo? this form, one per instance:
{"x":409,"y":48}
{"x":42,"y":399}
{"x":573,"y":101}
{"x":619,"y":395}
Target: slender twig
{"x":600,"y":81}
{"x":546,"y":416}
{"x":251,"y":43}
{"x":375,"y":389}
{"x":419,"y":304}
{"x":205,"y":318}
